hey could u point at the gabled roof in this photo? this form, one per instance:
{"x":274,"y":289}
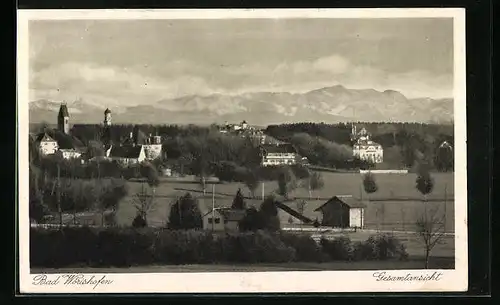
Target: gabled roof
{"x":63,"y":111}
{"x":107,"y":111}
{"x":294,"y":213}
{"x":233,"y":214}
{"x":129,"y":152}
{"x":349,"y":201}
{"x":228,"y":213}
{"x":279,"y":148}
{"x":43,"y":137}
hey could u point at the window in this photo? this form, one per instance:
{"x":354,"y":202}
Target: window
{"x":210,"y":220}
{"x":217,"y":220}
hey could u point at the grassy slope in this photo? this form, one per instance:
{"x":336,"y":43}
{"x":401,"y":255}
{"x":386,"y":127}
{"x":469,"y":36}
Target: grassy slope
{"x":390,"y":186}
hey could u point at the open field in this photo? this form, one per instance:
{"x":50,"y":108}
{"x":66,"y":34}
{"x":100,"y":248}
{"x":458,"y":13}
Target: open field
{"x":396,"y":196}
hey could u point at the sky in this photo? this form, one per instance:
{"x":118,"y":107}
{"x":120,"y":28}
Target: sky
{"x":133,"y":62}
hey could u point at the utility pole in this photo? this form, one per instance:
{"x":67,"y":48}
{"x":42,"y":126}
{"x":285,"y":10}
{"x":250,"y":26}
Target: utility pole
{"x":263,"y":193}
{"x":213,"y":206}
{"x":445,"y":204}
{"x":59,"y":195}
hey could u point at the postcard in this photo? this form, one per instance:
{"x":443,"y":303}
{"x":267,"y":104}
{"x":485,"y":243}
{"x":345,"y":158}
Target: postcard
{"x":229,"y":151}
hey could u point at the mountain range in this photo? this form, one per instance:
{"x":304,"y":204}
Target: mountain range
{"x":329,"y":105}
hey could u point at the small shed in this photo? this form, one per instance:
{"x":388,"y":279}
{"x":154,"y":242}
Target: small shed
{"x":342,"y":212}
{"x":223,"y":219}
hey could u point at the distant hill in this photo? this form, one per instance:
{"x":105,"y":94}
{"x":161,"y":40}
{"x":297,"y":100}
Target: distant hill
{"x":330,"y":105}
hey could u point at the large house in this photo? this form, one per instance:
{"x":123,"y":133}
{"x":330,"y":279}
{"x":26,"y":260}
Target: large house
{"x":280,"y":154}
{"x":46,"y":144}
{"x":126,"y":155}
{"x":345,"y":212}
{"x":223,"y":219}
{"x":364,"y":148}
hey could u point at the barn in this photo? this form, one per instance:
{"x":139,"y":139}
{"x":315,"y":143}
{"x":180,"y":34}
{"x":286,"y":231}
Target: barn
{"x":342,"y":212}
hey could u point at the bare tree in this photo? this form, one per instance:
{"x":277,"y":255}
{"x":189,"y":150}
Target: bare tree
{"x":252,"y":182}
{"x":144,"y":203}
{"x":430,"y":228}
{"x":301,"y":204}
{"x":315,"y":183}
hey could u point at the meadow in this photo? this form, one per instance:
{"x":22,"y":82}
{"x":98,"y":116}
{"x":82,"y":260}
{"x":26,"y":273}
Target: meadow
{"x":395,"y":206}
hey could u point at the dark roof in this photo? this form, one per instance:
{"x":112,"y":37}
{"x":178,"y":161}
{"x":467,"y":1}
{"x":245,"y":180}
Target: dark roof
{"x":279,"y":148}
{"x":44,"y":137}
{"x":349,"y":201}
{"x":292,"y":212}
{"x":233,"y":214}
{"x":63,"y":111}
{"x":131,"y":152}
{"x":228,"y":213}
{"x":107,"y":111}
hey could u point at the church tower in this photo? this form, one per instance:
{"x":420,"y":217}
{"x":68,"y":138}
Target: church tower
{"x":107,"y":117}
{"x":63,"y":119}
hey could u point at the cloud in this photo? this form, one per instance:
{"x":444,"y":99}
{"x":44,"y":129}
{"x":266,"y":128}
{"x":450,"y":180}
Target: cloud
{"x":115,"y":85}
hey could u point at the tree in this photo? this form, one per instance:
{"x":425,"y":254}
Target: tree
{"x":315,"y":182}
{"x":444,"y":158}
{"x":300,"y":208}
{"x":149,"y":172}
{"x":252,"y":220}
{"x":269,"y":214}
{"x":430,"y":229}
{"x":37,"y":206}
{"x":370,"y":186}
{"x":239,"y":201}
{"x":424,"y":182}
{"x":286,"y":183}
{"x":185,"y":214}
{"x":252,"y":181}
{"x":106,"y":194}
{"x":143,"y":203}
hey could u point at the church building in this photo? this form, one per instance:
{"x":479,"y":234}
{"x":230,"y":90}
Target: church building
{"x":364,"y":148}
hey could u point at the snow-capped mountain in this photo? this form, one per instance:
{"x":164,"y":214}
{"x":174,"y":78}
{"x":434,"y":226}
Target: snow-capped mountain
{"x":330,"y":105}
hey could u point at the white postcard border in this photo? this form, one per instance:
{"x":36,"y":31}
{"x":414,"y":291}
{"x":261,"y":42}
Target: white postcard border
{"x":232,"y":282}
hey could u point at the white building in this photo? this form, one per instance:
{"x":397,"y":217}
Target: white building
{"x":69,"y":153}
{"x":279,"y":154}
{"x":46,"y":145}
{"x":365,"y":149}
{"x":223,"y":219}
{"x":153,"y":147}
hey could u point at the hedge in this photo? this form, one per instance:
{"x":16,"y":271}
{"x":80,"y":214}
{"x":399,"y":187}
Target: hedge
{"x":124,"y":247}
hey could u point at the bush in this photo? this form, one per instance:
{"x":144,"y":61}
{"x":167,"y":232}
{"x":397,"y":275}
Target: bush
{"x":124,"y":247}
{"x":340,"y":248}
{"x":306,"y":249}
{"x":380,"y":247}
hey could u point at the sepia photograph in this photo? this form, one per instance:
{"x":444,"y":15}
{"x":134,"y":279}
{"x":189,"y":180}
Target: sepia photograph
{"x":242,"y":150}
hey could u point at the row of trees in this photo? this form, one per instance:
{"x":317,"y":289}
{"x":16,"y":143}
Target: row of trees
{"x":50,"y":193}
{"x":404,"y":143}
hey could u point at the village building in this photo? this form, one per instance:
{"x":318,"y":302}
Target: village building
{"x":223,"y":219}
{"x":342,"y":212}
{"x":445,"y":145}
{"x":126,"y":155}
{"x":280,"y":154}
{"x":153,"y":147}
{"x":70,"y":153}
{"x":365,"y":149}
{"x":46,"y":144}
{"x":63,"y":119}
